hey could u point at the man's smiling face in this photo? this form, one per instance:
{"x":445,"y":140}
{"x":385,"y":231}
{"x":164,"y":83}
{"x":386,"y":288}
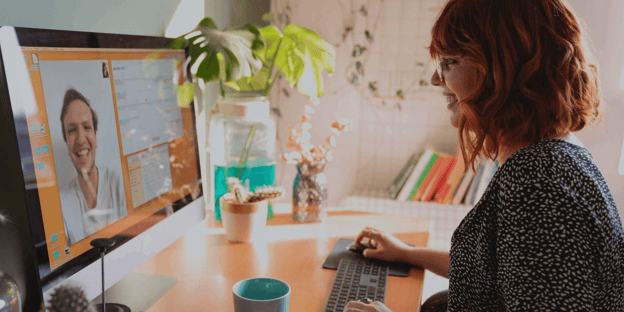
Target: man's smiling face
{"x":80,"y":134}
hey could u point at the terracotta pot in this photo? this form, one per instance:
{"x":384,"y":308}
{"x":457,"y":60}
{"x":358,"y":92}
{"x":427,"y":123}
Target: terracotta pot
{"x":244,"y":222}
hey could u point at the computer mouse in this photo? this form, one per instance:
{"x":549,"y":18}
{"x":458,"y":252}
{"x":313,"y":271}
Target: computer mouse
{"x":364,"y":244}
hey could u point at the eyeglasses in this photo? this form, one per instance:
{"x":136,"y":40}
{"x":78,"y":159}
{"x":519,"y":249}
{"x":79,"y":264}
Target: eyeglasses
{"x":438,"y":64}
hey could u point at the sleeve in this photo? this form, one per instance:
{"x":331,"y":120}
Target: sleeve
{"x":547,"y":248}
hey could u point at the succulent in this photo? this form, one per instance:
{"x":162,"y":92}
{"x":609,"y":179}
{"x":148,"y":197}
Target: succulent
{"x":243,"y":196}
{"x":69,"y":299}
{"x":267,"y":192}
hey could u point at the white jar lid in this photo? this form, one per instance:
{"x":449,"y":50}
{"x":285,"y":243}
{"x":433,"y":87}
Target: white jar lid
{"x":254,"y":108}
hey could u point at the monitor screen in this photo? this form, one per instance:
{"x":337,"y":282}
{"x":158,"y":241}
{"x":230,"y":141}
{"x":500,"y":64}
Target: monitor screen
{"x":110,"y":151}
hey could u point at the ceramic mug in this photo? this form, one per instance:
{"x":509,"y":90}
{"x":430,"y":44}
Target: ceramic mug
{"x":261,"y":295}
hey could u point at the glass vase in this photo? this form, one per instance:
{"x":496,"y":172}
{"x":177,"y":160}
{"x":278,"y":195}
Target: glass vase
{"x":310,"y":194}
{"x":10,"y":300}
{"x":242,"y":145}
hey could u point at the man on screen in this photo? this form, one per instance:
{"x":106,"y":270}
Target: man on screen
{"x":94,"y":199}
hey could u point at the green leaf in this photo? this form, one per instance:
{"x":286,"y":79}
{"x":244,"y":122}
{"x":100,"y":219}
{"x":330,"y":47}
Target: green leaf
{"x":207,"y":22}
{"x":228,"y":55}
{"x":303,"y":51}
{"x":177,"y":43}
{"x":277,"y":112}
{"x":185,"y":95}
{"x":271,"y":36}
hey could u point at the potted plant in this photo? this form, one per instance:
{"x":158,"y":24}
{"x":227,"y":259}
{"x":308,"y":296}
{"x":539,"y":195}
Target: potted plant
{"x":251,"y":59}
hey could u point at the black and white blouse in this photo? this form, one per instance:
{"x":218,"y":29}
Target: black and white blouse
{"x":545,"y":236}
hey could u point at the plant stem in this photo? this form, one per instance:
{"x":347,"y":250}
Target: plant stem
{"x":245,"y":154}
{"x":266,"y":92}
{"x":271,"y":82}
{"x":222,"y":88}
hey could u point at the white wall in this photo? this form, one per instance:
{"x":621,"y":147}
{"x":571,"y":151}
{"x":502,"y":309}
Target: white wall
{"x":112,"y":16}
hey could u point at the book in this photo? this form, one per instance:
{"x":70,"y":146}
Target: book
{"x":474,"y":186}
{"x":401,"y":178}
{"x":428,"y":178}
{"x":488,"y":174}
{"x":406,"y":190}
{"x":421,"y":177}
{"x":440,"y":177}
{"x":449,"y":198}
{"x":463,"y":187}
{"x":444,"y":195}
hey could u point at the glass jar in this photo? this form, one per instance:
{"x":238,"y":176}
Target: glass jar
{"x":310,"y":194}
{"x":242,"y":145}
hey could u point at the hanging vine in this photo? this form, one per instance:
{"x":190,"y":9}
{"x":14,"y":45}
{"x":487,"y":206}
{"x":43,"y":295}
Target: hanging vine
{"x":361,"y":47}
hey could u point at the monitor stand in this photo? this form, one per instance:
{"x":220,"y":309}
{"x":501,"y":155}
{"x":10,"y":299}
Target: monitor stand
{"x":127,"y":290}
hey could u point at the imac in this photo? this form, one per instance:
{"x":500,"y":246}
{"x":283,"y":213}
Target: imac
{"x":103,"y":149}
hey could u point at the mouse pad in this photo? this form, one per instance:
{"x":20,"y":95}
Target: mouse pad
{"x":340,"y":251}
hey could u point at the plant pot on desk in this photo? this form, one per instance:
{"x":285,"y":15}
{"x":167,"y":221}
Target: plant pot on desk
{"x":243,"y":222}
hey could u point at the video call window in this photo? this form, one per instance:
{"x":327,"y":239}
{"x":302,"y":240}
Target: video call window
{"x":111,"y":145}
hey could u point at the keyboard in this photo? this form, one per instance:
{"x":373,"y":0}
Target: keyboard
{"x":355,"y":280}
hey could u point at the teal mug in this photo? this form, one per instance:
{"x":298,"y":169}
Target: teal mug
{"x":261,"y":295}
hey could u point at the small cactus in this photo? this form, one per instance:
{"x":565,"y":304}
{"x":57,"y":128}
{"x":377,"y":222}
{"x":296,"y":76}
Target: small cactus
{"x":69,"y":299}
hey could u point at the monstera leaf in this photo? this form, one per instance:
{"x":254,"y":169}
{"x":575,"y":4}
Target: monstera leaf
{"x":222,"y":55}
{"x":299,"y":54}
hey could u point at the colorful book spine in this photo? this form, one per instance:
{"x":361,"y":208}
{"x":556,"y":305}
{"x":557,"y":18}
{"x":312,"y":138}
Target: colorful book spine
{"x":424,"y":159}
{"x":488,"y":174}
{"x":421,"y":177}
{"x":439,"y":178}
{"x":445,"y":194}
{"x":474,"y":186}
{"x":429,"y":178}
{"x":400,"y":180}
{"x":463,"y":187}
{"x":449,"y":198}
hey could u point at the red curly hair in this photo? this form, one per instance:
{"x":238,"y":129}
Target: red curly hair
{"x":535,"y":77}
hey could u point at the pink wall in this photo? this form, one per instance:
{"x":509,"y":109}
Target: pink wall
{"x":605,"y":22}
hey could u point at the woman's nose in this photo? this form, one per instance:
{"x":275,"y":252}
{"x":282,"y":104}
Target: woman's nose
{"x":435,"y":79}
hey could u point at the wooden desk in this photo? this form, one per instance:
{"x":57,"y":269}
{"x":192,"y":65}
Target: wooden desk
{"x":207,"y":265}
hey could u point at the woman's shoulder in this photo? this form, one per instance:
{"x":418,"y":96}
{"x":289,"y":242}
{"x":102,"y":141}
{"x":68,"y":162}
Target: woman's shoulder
{"x":545,"y":160}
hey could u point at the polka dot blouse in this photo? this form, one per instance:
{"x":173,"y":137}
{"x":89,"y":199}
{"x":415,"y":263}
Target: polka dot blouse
{"x":545,"y":236}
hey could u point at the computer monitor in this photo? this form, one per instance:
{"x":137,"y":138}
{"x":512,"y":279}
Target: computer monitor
{"x":106,"y":150}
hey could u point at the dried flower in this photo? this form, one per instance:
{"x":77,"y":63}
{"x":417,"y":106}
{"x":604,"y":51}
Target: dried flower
{"x":304,"y":153}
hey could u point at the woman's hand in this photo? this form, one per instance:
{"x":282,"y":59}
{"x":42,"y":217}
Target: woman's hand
{"x":386,"y":246}
{"x":356,"y":306}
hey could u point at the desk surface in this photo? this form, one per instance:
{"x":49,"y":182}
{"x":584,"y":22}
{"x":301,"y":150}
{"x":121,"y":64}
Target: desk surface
{"x":207,"y":265}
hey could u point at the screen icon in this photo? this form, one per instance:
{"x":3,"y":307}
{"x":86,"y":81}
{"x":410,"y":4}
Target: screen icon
{"x":54,"y":238}
{"x":57,"y":254}
{"x":40,"y":166}
{"x":46,"y":149}
{"x":38,"y":150}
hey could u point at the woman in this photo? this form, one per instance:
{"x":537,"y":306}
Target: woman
{"x":546,"y":234}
